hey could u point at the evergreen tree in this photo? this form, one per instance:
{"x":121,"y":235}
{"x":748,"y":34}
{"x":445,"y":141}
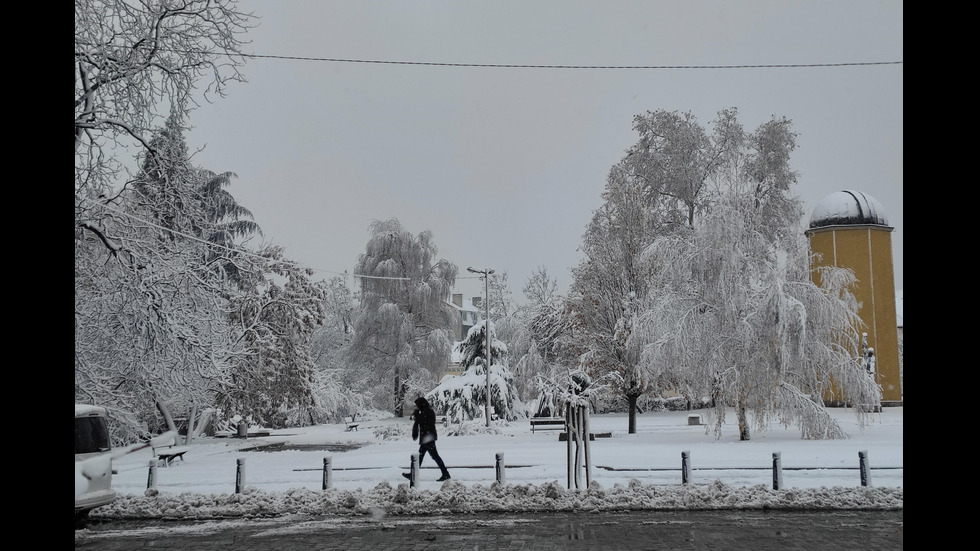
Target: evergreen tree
{"x":465,"y":397}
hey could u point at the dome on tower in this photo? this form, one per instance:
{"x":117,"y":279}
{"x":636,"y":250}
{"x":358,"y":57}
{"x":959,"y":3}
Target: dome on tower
{"x":848,"y":207}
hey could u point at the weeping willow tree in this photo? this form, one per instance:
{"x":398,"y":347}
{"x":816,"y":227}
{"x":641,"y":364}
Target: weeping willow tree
{"x":735,"y":316}
{"x":402,"y":329}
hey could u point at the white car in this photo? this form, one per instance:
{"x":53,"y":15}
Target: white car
{"x":93,"y":460}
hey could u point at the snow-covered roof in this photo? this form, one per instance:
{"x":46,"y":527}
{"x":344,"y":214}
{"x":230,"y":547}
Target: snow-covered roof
{"x":848,"y":207}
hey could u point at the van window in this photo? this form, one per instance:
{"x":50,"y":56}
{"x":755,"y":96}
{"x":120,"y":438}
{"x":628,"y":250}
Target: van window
{"x":91,"y":435}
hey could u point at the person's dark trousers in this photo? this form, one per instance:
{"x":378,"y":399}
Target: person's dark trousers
{"x":431,"y":449}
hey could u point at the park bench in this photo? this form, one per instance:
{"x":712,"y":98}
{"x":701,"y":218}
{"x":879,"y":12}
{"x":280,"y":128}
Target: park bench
{"x":547,"y":423}
{"x":169,"y":453}
{"x":352,"y":426}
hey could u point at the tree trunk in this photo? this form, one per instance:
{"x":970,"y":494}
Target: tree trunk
{"x":743,"y":420}
{"x":399,"y":397}
{"x":631,"y":400}
{"x":191,"y":423}
{"x":167,"y":418}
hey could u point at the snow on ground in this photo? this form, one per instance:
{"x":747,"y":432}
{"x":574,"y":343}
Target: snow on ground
{"x":630,"y":471}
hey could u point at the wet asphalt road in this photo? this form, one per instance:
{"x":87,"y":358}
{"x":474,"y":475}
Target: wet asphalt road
{"x":636,"y":530}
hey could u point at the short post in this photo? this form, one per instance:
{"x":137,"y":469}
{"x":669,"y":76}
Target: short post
{"x":501,"y":478}
{"x":777,"y":471}
{"x":240,"y":476}
{"x":242,"y":429}
{"x":685,"y":466}
{"x":568,"y":444}
{"x":414,"y":471}
{"x":588,"y":447}
{"x":151,"y":478}
{"x":865,"y":468}
{"x":327,"y":473}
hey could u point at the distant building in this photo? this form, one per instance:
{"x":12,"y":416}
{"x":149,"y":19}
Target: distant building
{"x":469,"y":315}
{"x":849,"y":229}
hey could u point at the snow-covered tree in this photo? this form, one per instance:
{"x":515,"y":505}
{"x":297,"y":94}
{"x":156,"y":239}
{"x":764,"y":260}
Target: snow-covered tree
{"x":541,"y":289}
{"x":510,"y":325}
{"x":274,"y":383}
{"x":675,"y":159}
{"x":341,"y":391}
{"x":150,"y":325}
{"x":536,"y":339}
{"x":734,"y":315}
{"x":464,"y":397}
{"x":136,"y":60}
{"x":153,"y":279}
{"x":610,"y":284}
{"x":402,"y":329}
{"x":501,"y":300}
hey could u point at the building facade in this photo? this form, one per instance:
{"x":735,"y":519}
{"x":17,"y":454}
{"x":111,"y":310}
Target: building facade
{"x":848,"y":229}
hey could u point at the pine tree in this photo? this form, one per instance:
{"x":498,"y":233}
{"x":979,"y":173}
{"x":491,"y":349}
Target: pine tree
{"x":464,"y":397}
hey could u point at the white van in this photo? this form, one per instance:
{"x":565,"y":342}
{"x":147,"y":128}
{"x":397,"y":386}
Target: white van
{"x":93,"y":460}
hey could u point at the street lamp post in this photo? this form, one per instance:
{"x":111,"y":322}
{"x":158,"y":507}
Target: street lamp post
{"x":486,"y":334}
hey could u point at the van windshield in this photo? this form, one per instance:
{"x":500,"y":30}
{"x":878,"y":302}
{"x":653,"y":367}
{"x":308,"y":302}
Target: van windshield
{"x":91,"y":435}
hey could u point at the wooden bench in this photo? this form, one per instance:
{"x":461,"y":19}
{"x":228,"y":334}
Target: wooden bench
{"x":547,"y":423}
{"x":169,"y":454}
{"x":352,"y":425}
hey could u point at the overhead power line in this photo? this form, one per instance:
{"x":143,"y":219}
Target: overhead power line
{"x":529,"y":66}
{"x":540,"y":66}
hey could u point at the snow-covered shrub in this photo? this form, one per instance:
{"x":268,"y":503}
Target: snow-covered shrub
{"x":477,"y":426}
{"x":393,"y":432}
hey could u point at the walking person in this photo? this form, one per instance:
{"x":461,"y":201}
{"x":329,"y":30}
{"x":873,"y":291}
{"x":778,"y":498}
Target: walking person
{"x":424,"y":430}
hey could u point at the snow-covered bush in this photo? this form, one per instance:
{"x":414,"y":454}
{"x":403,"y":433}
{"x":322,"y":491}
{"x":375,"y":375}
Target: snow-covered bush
{"x":466,"y":428}
{"x":393,"y":432}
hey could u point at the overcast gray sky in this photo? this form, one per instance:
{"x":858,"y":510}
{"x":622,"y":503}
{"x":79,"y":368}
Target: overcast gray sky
{"x":506,"y":164}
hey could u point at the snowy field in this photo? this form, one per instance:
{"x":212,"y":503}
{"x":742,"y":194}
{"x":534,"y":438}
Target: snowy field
{"x":638,"y":471}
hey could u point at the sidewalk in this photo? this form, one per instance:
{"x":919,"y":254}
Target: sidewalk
{"x":649,"y":530}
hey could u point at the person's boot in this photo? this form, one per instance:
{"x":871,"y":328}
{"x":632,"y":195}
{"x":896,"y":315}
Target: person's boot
{"x":445,"y":476}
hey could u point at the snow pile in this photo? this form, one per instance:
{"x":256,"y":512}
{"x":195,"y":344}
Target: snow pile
{"x":455,"y":498}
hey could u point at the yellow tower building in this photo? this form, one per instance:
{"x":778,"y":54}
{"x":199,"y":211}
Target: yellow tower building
{"x":848,"y":229}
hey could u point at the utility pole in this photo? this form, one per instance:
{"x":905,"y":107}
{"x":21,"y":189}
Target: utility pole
{"x":486,"y":334}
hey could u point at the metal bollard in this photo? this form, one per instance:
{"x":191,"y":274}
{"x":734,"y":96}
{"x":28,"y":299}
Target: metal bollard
{"x":240,"y":476}
{"x":327,"y":473}
{"x":685,"y":466}
{"x":151,"y":478}
{"x":865,"y":468}
{"x":777,"y":471}
{"x":414,"y":471}
{"x":501,"y":478}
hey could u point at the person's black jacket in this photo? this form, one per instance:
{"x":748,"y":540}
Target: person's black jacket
{"x":424,"y":428}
